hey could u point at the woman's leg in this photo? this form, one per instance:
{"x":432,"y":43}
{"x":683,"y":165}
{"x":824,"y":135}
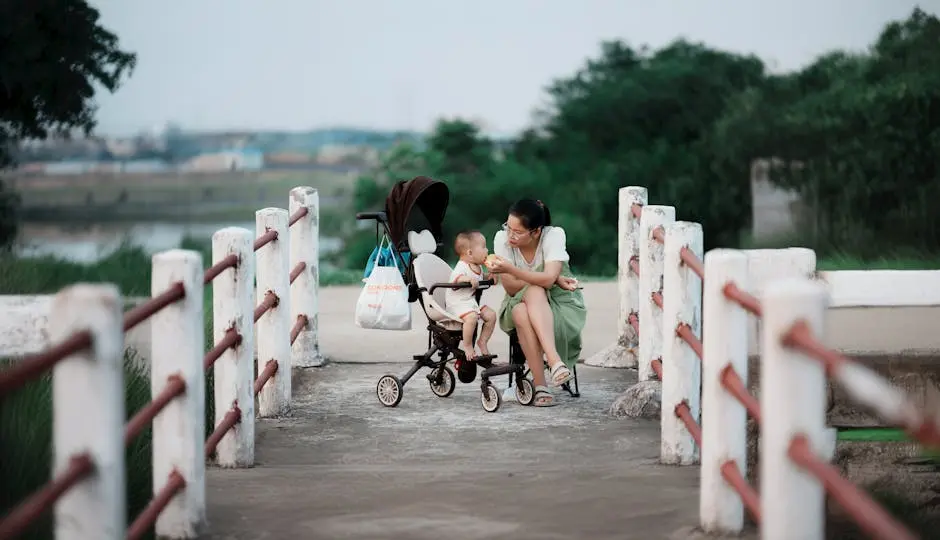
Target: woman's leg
{"x":542,"y":321}
{"x":529,"y":343}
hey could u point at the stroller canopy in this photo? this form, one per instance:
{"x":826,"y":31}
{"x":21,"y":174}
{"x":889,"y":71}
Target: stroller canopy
{"x":431,"y":197}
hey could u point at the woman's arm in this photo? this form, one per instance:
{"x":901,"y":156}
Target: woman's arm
{"x":545,"y":279}
{"x":511,"y":284}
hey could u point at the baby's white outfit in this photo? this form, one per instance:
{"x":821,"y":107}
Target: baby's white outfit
{"x":461,"y":302}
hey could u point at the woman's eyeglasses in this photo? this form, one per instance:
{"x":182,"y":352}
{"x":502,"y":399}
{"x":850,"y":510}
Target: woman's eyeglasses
{"x":512,"y":233}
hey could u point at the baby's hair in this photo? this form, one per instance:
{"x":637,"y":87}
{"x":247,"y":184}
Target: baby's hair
{"x":463,"y":240}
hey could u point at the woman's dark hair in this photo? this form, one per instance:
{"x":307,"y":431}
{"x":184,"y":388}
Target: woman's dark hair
{"x":532,"y":213}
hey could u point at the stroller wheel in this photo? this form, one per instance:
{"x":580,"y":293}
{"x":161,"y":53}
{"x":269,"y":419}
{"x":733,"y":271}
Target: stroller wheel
{"x":525,"y":392}
{"x":491,"y":398}
{"x":389,"y":390}
{"x":446,"y":385}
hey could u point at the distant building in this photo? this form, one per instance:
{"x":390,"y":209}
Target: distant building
{"x":228,"y":160}
{"x":775,"y":210}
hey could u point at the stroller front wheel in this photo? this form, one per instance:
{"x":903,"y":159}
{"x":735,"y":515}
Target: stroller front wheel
{"x":491,"y":398}
{"x":442,"y":381}
{"x":525,"y":392}
{"x":389,"y":390}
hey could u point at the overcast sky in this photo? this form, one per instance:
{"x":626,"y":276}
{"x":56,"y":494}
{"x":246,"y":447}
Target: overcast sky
{"x":301,"y":64}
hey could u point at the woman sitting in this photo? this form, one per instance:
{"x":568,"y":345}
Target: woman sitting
{"x":543,"y":303}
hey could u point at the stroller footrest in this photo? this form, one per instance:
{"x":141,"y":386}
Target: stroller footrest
{"x":501,"y":369}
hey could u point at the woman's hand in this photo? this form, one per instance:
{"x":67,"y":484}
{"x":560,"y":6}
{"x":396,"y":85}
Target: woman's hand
{"x":499,"y":265}
{"x":567,"y":283}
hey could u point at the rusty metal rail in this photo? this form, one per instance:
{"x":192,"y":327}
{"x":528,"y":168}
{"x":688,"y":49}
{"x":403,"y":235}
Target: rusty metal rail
{"x":866,"y":387}
{"x":231,"y":340}
{"x":175,"y":386}
{"x":635,"y":265}
{"x":636,"y":210}
{"x":659,"y":234}
{"x":733,"y":384}
{"x":269,"y":302}
{"x":299,"y":325}
{"x":692,"y":261}
{"x":142,"y":312}
{"x":683,"y":412}
{"x":269,"y":236}
{"x":232,"y":417}
{"x":297,"y":270}
{"x":175,"y":484}
{"x":657,"y":298}
{"x":749,"y":496}
{"x":270,"y":368}
{"x":297,"y":216}
{"x":684,"y":331}
{"x":869,"y":515}
{"x":657,"y":365}
{"x":230,"y":261}
{"x":749,"y":302}
{"x":33,"y":366}
{"x":79,"y":467}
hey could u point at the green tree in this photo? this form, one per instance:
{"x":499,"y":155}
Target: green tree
{"x":53,"y":53}
{"x":857,"y":136}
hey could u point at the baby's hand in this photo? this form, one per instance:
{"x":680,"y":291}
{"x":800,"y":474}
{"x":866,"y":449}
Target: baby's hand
{"x":474,"y":282}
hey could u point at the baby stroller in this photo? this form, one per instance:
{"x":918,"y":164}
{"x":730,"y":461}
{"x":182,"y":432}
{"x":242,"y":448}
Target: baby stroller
{"x":427,"y":276}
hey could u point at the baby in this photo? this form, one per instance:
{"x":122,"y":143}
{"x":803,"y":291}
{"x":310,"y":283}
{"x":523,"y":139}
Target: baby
{"x":470,"y":246}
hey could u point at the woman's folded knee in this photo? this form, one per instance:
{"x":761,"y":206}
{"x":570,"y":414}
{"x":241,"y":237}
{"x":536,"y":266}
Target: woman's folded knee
{"x":520,"y":315}
{"x":535,"y":295}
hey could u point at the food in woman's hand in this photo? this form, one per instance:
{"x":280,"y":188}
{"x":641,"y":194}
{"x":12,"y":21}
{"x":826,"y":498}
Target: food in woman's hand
{"x":490,"y":259}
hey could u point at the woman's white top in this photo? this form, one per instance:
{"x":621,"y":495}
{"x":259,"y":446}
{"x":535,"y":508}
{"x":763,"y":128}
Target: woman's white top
{"x":551,"y":247}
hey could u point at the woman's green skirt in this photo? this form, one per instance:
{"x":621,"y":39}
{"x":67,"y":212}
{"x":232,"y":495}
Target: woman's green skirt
{"x":568,"y":312}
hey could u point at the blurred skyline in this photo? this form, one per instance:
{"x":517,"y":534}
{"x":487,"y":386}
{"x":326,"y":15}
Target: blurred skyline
{"x":307,"y":64}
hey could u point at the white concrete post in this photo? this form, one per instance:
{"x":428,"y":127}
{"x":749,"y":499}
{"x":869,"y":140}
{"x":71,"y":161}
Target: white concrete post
{"x":273,"y":328}
{"x":88,"y":411}
{"x":651,"y":280}
{"x":304,"y":291}
{"x":179,"y":431}
{"x":769,"y":265}
{"x":793,"y":402}
{"x":724,"y":419}
{"x":682,"y":368}
{"x":233,"y":308}
{"x":622,"y":353}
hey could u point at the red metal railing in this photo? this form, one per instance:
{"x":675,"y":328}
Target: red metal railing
{"x":871,"y":517}
{"x":730,"y":379}
{"x":82,"y":465}
{"x":232,"y":339}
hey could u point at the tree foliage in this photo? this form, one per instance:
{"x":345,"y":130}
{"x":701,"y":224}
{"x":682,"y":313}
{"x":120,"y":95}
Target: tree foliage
{"x":857,"y":135}
{"x":53,"y":54}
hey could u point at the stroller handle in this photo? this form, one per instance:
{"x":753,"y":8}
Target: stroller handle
{"x":378,"y":216}
{"x":483,"y":284}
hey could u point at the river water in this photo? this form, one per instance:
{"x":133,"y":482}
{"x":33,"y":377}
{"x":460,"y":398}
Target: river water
{"x":88,"y":242}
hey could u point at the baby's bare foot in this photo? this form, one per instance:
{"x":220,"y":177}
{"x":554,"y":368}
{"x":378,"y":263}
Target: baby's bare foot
{"x":469,"y":353}
{"x":484,"y":350}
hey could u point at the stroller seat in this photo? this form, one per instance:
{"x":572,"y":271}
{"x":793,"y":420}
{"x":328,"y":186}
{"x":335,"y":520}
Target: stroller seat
{"x":428,"y":270}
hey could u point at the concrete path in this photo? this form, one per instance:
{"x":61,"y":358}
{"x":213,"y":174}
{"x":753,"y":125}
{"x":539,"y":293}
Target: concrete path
{"x":345,"y":467}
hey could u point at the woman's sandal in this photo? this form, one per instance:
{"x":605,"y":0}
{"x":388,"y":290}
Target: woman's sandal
{"x":543,"y":398}
{"x":560,"y":374}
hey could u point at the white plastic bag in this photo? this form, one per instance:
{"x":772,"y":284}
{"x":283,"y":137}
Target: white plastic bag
{"x":383,"y":301}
